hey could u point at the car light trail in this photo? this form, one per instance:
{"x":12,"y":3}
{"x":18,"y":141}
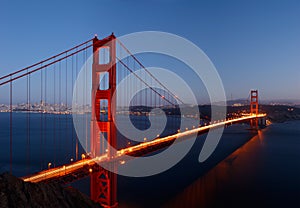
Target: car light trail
{"x":75,"y":166}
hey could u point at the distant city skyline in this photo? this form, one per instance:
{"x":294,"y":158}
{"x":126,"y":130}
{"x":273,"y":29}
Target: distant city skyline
{"x":253,"y":44}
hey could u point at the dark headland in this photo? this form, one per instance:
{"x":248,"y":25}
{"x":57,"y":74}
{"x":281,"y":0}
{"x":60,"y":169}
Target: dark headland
{"x":14,"y":192}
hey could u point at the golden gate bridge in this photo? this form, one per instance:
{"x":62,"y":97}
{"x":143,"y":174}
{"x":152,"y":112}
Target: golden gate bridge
{"x":47,"y":87}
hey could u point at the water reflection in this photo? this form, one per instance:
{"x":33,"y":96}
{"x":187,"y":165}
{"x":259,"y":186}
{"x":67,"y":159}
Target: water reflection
{"x":264,"y":173}
{"x":203,"y":192}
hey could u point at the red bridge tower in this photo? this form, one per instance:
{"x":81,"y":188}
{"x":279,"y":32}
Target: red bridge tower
{"x":254,"y":108}
{"x":103,"y":183}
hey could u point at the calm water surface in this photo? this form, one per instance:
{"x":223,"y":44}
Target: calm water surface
{"x":265,"y":172}
{"x":263,"y":169}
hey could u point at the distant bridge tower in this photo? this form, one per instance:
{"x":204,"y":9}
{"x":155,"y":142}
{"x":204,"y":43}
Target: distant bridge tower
{"x":254,"y":108}
{"x":103,"y":183}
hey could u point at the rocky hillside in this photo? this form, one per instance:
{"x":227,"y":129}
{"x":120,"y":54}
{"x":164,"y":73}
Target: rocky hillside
{"x":281,"y":113}
{"x":17,"y":193}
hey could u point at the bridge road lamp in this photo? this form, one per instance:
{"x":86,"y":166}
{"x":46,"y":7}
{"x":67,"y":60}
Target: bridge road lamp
{"x":49,"y":165}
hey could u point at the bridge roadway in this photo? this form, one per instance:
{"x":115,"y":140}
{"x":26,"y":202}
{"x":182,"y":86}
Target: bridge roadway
{"x":82,"y":168}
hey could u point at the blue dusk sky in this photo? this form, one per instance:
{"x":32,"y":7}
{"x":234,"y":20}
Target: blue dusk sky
{"x":253,"y":44}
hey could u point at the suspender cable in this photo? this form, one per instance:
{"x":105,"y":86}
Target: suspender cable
{"x":54,"y":114}
{"x":66,"y":108}
{"x":41,"y":121}
{"x":86,"y":88}
{"x":45,"y":114}
{"x":76,"y":101}
{"x":10,"y":128}
{"x":83,"y":98}
{"x":72,"y":83}
{"x":59,"y":111}
{"x":28,"y":125}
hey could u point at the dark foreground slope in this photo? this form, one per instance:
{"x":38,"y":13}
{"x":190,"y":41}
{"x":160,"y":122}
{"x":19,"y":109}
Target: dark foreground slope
{"x":17,"y":193}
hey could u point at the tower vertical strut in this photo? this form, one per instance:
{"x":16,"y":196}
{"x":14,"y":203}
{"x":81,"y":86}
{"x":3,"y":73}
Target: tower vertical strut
{"x":103,"y":183}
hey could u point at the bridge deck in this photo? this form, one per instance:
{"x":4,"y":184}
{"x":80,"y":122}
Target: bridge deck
{"x":82,"y":167}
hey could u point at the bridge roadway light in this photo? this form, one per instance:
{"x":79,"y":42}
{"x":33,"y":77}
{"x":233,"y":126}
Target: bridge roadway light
{"x":71,"y":159}
{"x":82,"y":156}
{"x":49,"y":165}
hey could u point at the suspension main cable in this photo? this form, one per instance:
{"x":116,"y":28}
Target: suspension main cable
{"x":42,"y":67}
{"x":48,"y":59}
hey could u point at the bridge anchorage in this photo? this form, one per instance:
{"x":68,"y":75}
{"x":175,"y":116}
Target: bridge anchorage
{"x":103,"y":132}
